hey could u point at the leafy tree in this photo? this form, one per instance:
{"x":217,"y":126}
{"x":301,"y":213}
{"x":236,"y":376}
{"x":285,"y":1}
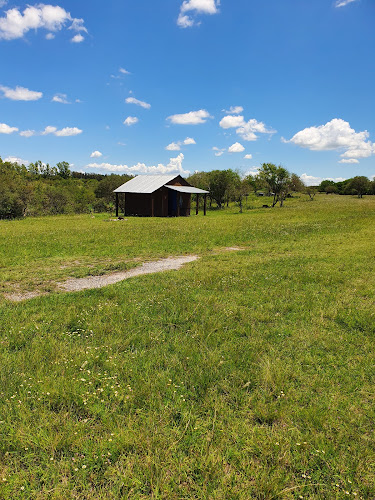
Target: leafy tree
{"x":359,"y":185}
{"x":222,"y":184}
{"x":296,"y":184}
{"x":322,"y":186}
{"x":311,"y":191}
{"x":277,"y":180}
{"x":63,"y":169}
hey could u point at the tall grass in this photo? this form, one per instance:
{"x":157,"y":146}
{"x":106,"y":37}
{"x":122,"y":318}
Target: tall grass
{"x":244,"y":375}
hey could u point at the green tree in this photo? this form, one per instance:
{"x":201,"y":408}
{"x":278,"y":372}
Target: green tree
{"x":277,"y":180}
{"x":222,"y":185}
{"x":63,"y":169}
{"x":359,"y":185}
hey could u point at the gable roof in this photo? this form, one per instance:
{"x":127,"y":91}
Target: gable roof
{"x":145,"y":183}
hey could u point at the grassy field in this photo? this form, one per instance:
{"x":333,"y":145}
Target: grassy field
{"x":245,"y":375}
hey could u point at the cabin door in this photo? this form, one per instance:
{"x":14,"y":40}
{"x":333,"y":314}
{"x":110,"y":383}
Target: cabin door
{"x":172,"y":203}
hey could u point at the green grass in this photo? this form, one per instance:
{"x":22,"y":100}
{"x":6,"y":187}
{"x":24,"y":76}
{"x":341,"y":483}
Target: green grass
{"x":244,"y":375}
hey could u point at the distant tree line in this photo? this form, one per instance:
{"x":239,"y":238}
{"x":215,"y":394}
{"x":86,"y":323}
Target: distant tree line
{"x":359,"y":185}
{"x":40,"y":189}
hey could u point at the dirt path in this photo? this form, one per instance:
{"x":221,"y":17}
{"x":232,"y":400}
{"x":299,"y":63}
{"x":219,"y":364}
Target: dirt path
{"x":76,"y":284}
{"x":90,"y":282}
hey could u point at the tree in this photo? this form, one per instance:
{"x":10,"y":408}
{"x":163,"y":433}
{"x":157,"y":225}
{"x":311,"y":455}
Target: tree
{"x":277,"y":180}
{"x":296,"y":184}
{"x":63,"y":169}
{"x":222,"y":184}
{"x":359,"y":185}
{"x":311,"y":191}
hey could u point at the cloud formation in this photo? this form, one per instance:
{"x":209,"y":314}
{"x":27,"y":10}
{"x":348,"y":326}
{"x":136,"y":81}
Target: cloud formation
{"x":335,"y":135}
{"x":6,"y":129}
{"x":342,"y":3}
{"x":96,"y":154}
{"x":233,"y":110}
{"x":197,"y":7}
{"x":218,"y":151}
{"x":65,"y":132}
{"x":174,"y":166}
{"x":236,"y":148}
{"x":17,"y":24}
{"x":15,"y":159}
{"x":20,"y":94}
{"x":176,"y":146}
{"x":191,"y":118}
{"x":247,"y":130}
{"x":131,"y":120}
{"x":61,"y":98}
{"x":133,"y":100}
{"x":311,"y":180}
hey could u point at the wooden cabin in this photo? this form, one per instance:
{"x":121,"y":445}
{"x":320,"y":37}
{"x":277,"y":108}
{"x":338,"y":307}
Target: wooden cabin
{"x":158,"y":196}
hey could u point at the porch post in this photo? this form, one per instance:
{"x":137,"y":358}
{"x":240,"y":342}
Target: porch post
{"x":196,"y":211}
{"x":116,"y":204}
{"x":124,"y":204}
{"x":205,"y":204}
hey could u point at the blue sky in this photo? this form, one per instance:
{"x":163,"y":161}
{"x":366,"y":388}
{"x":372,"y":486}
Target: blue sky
{"x":179,"y":86}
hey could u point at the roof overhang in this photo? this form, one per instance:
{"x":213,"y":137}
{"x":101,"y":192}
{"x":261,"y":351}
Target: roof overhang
{"x":187,"y":189}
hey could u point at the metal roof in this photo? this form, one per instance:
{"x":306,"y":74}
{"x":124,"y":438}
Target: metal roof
{"x":187,"y":189}
{"x":145,"y":183}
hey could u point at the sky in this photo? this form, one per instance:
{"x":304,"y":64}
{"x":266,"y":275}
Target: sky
{"x":178,"y":86}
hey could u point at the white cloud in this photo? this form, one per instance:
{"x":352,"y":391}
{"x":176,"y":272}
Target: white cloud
{"x":236,"y":148}
{"x":27,"y":133}
{"x":19,"y":161}
{"x":50,"y":36}
{"x":234,"y":110}
{"x":335,"y":135}
{"x":188,"y":141}
{"x":61,"y":98}
{"x":124,"y":71}
{"x":311,"y":180}
{"x":191,"y":118}
{"x":77,"y":38}
{"x":133,"y":100}
{"x":218,"y":152}
{"x":3,"y":3}
{"x":20,"y":94}
{"x":342,"y":3}
{"x":176,"y":146}
{"x":17,"y":24}
{"x":96,"y":154}
{"x":6,"y":129}
{"x":174,"y":166}
{"x":248,"y":157}
{"x":65,"y":132}
{"x":173,"y":146}
{"x":247,"y":130}
{"x":198,"y":7}
{"x":131,"y":120}
{"x":349,"y":160}
{"x":254,"y":171}
{"x":68,"y":131}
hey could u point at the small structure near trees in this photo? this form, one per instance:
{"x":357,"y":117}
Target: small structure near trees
{"x":158,"y":196}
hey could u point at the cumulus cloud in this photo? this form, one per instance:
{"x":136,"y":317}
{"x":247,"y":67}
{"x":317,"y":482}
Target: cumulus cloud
{"x":50,"y":36}
{"x":335,"y":135}
{"x":236,"y":148}
{"x":133,"y":100}
{"x":174,"y":166}
{"x":61,"y":98}
{"x":248,"y":157}
{"x":27,"y":133}
{"x":342,"y":3}
{"x":15,"y":159}
{"x":191,"y":118}
{"x":176,"y":146}
{"x":20,"y":94}
{"x":173,"y":146}
{"x":65,"y":132}
{"x":196,"y":7}
{"x":124,"y":71}
{"x":131,"y":120}
{"x":234,"y":110}
{"x":349,"y":160}
{"x":78,"y":38}
{"x":17,"y":24}
{"x":96,"y":154}
{"x":247,"y":130}
{"x":6,"y":129}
